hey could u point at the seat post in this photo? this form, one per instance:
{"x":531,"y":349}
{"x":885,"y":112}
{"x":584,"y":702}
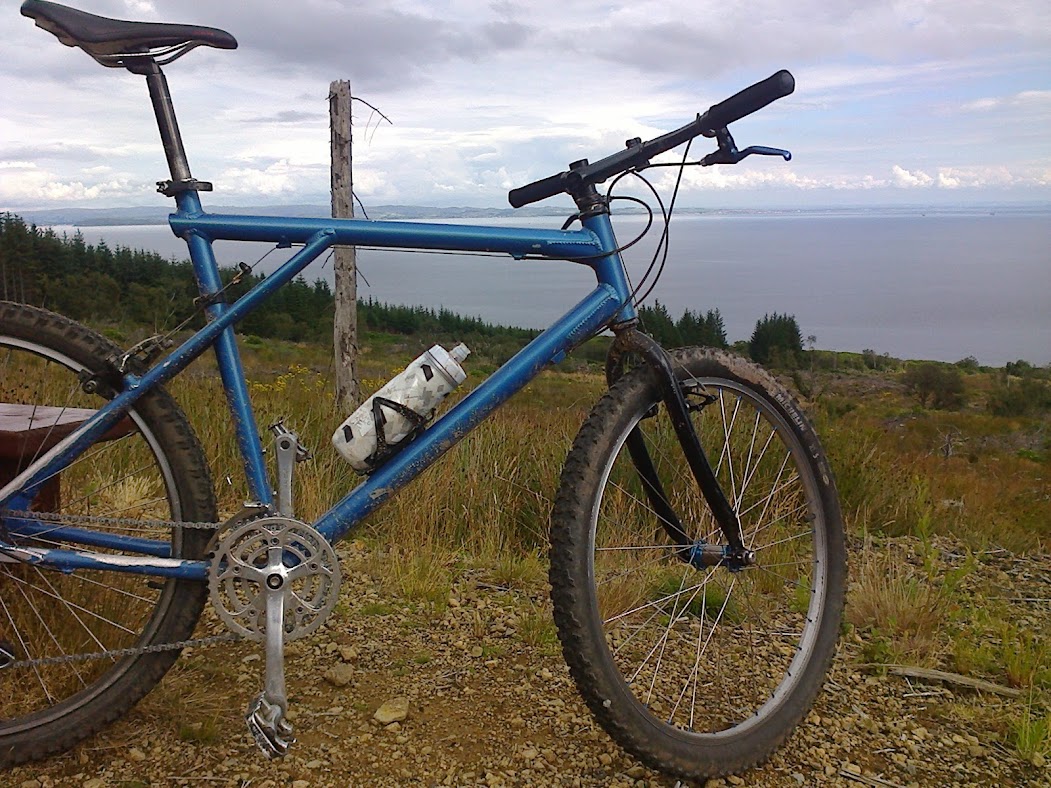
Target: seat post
{"x":164,"y":110}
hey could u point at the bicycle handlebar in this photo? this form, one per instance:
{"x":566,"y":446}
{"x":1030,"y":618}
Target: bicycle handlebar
{"x":638,"y":153}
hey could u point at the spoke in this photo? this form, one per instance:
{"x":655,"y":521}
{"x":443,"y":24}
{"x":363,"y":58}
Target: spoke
{"x":667,"y":631}
{"x":69,"y":604}
{"x":51,"y":429}
{"x":50,"y":634}
{"x":25,"y":649}
{"x":786,"y":580}
{"x":655,"y":602}
{"x":114,"y":589}
{"x":644,"y":504}
{"x":782,"y":541}
{"x":787,"y":515}
{"x":727,"y":451}
{"x":757,"y":464}
{"x":89,"y":454}
{"x":647,"y":564}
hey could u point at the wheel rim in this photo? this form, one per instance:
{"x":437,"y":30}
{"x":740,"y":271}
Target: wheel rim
{"x":709,"y":653}
{"x":45,"y":614}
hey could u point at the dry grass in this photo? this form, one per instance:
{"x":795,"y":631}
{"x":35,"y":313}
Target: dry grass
{"x":902,"y":611}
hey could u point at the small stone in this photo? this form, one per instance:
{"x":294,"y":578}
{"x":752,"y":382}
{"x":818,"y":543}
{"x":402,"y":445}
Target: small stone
{"x":94,"y":782}
{"x":135,"y":754}
{"x":301,"y":784}
{"x":339,"y":675}
{"x":29,"y":784}
{"x":1038,"y":760}
{"x":394,"y":710}
{"x":733,"y":779}
{"x":605,"y":759}
{"x":348,"y":653}
{"x":314,"y":764}
{"x":394,"y":727}
{"x":477,"y":651}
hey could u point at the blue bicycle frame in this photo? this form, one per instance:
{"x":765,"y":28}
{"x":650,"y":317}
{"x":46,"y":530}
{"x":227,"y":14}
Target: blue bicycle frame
{"x":609,"y":303}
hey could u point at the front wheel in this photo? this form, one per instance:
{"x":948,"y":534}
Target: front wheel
{"x":698,"y":670}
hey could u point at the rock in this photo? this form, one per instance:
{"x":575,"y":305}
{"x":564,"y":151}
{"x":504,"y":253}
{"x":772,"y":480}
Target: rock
{"x":29,"y":784}
{"x":339,"y":675}
{"x":135,"y":754}
{"x":300,"y":784}
{"x":348,"y":653}
{"x":394,"y":710}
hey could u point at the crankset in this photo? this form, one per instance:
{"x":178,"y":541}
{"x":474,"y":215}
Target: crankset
{"x":273,"y":579}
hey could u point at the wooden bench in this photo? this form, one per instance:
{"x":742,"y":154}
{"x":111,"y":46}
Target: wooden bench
{"x":27,"y":431}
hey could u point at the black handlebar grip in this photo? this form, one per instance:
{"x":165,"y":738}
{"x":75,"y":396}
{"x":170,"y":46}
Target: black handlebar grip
{"x":749,"y":100}
{"x":536,"y":191}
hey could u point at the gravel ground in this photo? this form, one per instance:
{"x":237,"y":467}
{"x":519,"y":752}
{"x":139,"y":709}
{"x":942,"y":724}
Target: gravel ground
{"x":477,"y":695}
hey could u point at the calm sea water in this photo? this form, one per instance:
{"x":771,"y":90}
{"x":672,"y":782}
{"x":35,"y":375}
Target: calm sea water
{"x":933,"y":286}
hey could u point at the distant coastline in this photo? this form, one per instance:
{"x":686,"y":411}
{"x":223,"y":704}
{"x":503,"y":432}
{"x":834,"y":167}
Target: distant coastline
{"x":158,"y":215}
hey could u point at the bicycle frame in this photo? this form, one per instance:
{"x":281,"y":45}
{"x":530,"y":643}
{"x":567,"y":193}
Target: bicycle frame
{"x":593,"y":245}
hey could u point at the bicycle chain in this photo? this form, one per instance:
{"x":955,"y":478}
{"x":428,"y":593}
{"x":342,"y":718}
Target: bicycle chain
{"x":133,"y":651}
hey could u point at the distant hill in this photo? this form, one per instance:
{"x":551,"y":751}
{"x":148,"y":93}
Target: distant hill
{"x":105,"y":217}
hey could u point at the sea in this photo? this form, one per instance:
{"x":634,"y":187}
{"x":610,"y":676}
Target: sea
{"x":934,"y":283}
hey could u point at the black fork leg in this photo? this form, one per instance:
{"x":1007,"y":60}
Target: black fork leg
{"x":630,"y":340}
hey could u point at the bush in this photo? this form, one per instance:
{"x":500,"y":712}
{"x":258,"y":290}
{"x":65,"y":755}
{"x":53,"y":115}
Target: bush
{"x":1028,"y":396}
{"x":935,"y":385}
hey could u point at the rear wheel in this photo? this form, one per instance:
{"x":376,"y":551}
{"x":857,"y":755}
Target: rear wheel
{"x":150,"y":468}
{"x":698,"y":670}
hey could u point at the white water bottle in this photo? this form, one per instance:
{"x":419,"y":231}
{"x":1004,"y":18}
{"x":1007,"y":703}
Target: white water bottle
{"x":401,"y":405}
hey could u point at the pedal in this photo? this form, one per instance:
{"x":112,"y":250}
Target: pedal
{"x":268,"y":726}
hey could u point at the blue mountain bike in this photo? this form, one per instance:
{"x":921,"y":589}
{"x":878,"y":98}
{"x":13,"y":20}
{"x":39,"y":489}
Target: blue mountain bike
{"x":697,"y":551}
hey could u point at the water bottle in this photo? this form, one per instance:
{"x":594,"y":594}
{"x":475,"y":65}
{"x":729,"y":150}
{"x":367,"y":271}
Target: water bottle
{"x":400,"y":407}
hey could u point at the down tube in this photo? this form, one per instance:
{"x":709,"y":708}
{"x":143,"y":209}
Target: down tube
{"x":578,"y":324}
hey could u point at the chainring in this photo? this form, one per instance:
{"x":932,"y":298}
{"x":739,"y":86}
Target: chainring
{"x":240,"y":567}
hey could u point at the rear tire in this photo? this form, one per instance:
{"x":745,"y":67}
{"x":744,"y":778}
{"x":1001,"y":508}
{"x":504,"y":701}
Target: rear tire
{"x":156,"y":471}
{"x":698,"y":672}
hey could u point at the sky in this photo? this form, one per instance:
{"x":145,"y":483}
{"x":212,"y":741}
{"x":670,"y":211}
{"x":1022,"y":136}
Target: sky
{"x":897,"y":103}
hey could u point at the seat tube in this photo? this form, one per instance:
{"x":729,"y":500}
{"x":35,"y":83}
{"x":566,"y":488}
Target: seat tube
{"x":231,"y":371}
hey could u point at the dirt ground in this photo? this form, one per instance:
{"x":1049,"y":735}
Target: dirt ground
{"x":490,"y":703}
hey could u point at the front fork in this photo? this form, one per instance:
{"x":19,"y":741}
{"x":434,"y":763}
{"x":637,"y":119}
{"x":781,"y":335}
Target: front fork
{"x":695,"y":551}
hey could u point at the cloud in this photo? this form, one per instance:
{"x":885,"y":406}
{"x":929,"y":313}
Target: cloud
{"x":23,"y":183}
{"x":1026,"y":99}
{"x":909,"y":180}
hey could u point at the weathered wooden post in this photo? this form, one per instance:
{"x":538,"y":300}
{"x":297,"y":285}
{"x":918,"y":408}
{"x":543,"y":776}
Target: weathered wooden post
{"x":345,"y":328}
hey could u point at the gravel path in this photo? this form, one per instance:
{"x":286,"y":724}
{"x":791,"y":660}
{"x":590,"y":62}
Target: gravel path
{"x":477,"y":694}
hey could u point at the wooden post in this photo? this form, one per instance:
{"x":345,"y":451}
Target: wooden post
{"x":345,"y":329}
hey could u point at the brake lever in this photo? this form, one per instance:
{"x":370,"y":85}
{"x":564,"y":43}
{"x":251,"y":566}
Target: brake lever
{"x":728,"y":153}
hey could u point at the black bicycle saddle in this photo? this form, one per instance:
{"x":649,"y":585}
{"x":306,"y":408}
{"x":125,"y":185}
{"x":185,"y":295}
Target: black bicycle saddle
{"x":115,"y":42}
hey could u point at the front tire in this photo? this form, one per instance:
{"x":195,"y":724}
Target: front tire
{"x":703,"y":671}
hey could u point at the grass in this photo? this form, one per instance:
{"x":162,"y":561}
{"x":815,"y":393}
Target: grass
{"x":908,"y":478}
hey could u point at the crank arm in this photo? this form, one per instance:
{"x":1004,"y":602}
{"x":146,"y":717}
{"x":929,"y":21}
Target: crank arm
{"x":266,"y":714}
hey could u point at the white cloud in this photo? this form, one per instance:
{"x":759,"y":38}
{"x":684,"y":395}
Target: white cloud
{"x":907,"y":180}
{"x":1026,"y":99}
{"x":487,"y":96}
{"x":26,"y":184}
